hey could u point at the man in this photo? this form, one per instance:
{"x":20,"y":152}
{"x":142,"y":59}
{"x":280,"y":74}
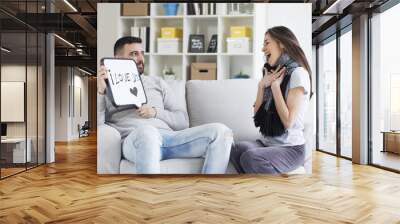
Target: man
{"x":159,"y":129}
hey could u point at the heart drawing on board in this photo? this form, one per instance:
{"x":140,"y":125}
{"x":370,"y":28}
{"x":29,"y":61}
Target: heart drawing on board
{"x":133,"y":91}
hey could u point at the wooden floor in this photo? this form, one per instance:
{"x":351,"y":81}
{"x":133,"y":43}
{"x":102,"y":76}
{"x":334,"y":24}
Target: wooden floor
{"x":70,"y":191}
{"x":387,"y":159}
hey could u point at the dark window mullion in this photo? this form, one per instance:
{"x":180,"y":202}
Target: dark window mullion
{"x":26,"y":86}
{"x":0,"y":95}
{"x":369,"y":96}
{"x":338,"y":95}
{"x":317,"y":94}
{"x":37,"y":90}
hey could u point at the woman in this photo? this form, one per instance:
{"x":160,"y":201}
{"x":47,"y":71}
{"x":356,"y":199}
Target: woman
{"x":282,"y":99}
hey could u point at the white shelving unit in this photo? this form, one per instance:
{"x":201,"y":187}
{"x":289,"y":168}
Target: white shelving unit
{"x":111,"y":26}
{"x":227,"y":64}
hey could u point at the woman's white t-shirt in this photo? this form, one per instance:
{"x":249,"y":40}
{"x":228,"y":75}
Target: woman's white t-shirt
{"x":294,"y":135}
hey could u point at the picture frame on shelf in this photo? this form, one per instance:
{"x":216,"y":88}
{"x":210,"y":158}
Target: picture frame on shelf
{"x":213,"y":44}
{"x":196,"y":43}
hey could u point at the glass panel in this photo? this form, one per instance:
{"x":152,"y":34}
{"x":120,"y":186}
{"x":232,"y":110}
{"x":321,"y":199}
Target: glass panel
{"x":13,"y":86}
{"x":31,"y":98}
{"x":346,"y":93}
{"x":327,"y":97}
{"x":41,"y":98}
{"x":385,"y":84}
{"x":32,"y":87}
{"x":23,"y":89}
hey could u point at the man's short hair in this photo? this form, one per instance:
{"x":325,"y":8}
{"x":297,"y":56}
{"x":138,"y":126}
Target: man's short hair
{"x":125,"y":40}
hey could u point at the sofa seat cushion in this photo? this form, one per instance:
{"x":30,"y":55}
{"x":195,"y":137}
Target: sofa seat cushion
{"x":169,"y":166}
{"x":174,"y":166}
{"x":186,"y":166}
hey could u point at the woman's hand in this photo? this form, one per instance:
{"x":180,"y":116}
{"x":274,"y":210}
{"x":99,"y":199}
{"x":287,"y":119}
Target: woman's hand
{"x":278,"y":77}
{"x":269,"y":77}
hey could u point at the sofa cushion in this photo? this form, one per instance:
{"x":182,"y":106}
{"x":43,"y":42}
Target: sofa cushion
{"x":186,"y":166}
{"x":175,"y":166}
{"x":178,"y":88}
{"x":169,"y":166}
{"x":227,"y":101}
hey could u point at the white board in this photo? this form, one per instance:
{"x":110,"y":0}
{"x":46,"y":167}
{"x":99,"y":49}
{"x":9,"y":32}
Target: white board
{"x":12,"y":101}
{"x":124,"y":82}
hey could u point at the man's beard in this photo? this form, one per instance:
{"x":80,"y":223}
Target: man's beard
{"x":141,"y":69}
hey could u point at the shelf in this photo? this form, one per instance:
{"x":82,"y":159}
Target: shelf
{"x":188,"y":16}
{"x":167,"y":17}
{"x":239,"y":54}
{"x":238,"y":16}
{"x":202,"y":16}
{"x":165,"y":54}
{"x":202,"y":54}
{"x":135,"y":17}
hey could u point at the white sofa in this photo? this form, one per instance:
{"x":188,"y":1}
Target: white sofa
{"x":227,"y":101}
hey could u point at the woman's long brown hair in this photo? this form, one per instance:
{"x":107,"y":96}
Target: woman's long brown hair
{"x":291,"y":46}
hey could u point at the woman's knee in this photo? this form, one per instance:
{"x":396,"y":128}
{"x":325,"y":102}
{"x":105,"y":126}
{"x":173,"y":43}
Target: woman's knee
{"x":252,"y":162}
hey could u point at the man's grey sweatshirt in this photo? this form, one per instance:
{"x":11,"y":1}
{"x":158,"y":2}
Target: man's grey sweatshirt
{"x":169,"y":115}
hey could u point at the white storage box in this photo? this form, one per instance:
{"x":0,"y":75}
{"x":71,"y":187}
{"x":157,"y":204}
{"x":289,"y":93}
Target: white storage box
{"x":238,"y":45}
{"x":169,"y":45}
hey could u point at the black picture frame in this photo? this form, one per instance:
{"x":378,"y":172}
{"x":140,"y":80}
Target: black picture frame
{"x":196,"y":43}
{"x":213,"y":44}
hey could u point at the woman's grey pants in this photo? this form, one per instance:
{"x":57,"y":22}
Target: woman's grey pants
{"x":255,"y":157}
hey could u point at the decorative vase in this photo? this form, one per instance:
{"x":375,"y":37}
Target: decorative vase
{"x":171,"y":9}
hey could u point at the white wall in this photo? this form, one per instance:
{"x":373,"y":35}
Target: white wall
{"x":297,"y":17}
{"x":68,"y":83}
{"x":111,"y":33}
{"x":61,"y":103}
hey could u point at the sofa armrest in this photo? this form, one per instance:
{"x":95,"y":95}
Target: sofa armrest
{"x":108,"y":150}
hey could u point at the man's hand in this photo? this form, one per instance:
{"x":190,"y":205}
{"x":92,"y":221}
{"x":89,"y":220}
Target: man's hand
{"x":147,"y":111}
{"x":101,"y":77}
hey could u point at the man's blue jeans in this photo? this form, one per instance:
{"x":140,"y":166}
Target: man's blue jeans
{"x":146,"y":146}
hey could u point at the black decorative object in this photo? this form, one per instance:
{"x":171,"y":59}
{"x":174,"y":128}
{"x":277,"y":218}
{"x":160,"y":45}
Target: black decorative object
{"x":196,"y":43}
{"x":212,"y":46}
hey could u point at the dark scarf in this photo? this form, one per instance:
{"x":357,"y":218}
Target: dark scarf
{"x":267,"y":117}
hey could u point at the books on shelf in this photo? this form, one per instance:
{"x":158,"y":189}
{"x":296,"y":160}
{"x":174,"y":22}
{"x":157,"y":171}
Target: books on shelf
{"x":201,"y":8}
{"x":144,"y":34}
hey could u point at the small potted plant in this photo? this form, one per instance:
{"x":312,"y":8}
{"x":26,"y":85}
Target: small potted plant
{"x":168,"y":73}
{"x":241,"y":75}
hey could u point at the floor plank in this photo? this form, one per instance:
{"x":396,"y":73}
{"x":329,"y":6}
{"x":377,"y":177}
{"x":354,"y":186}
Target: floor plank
{"x":70,"y":191}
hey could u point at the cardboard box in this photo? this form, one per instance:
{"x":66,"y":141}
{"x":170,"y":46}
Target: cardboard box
{"x":203,"y":71}
{"x":171,"y":32}
{"x":240,"y":31}
{"x":135,"y":9}
{"x":169,"y":45}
